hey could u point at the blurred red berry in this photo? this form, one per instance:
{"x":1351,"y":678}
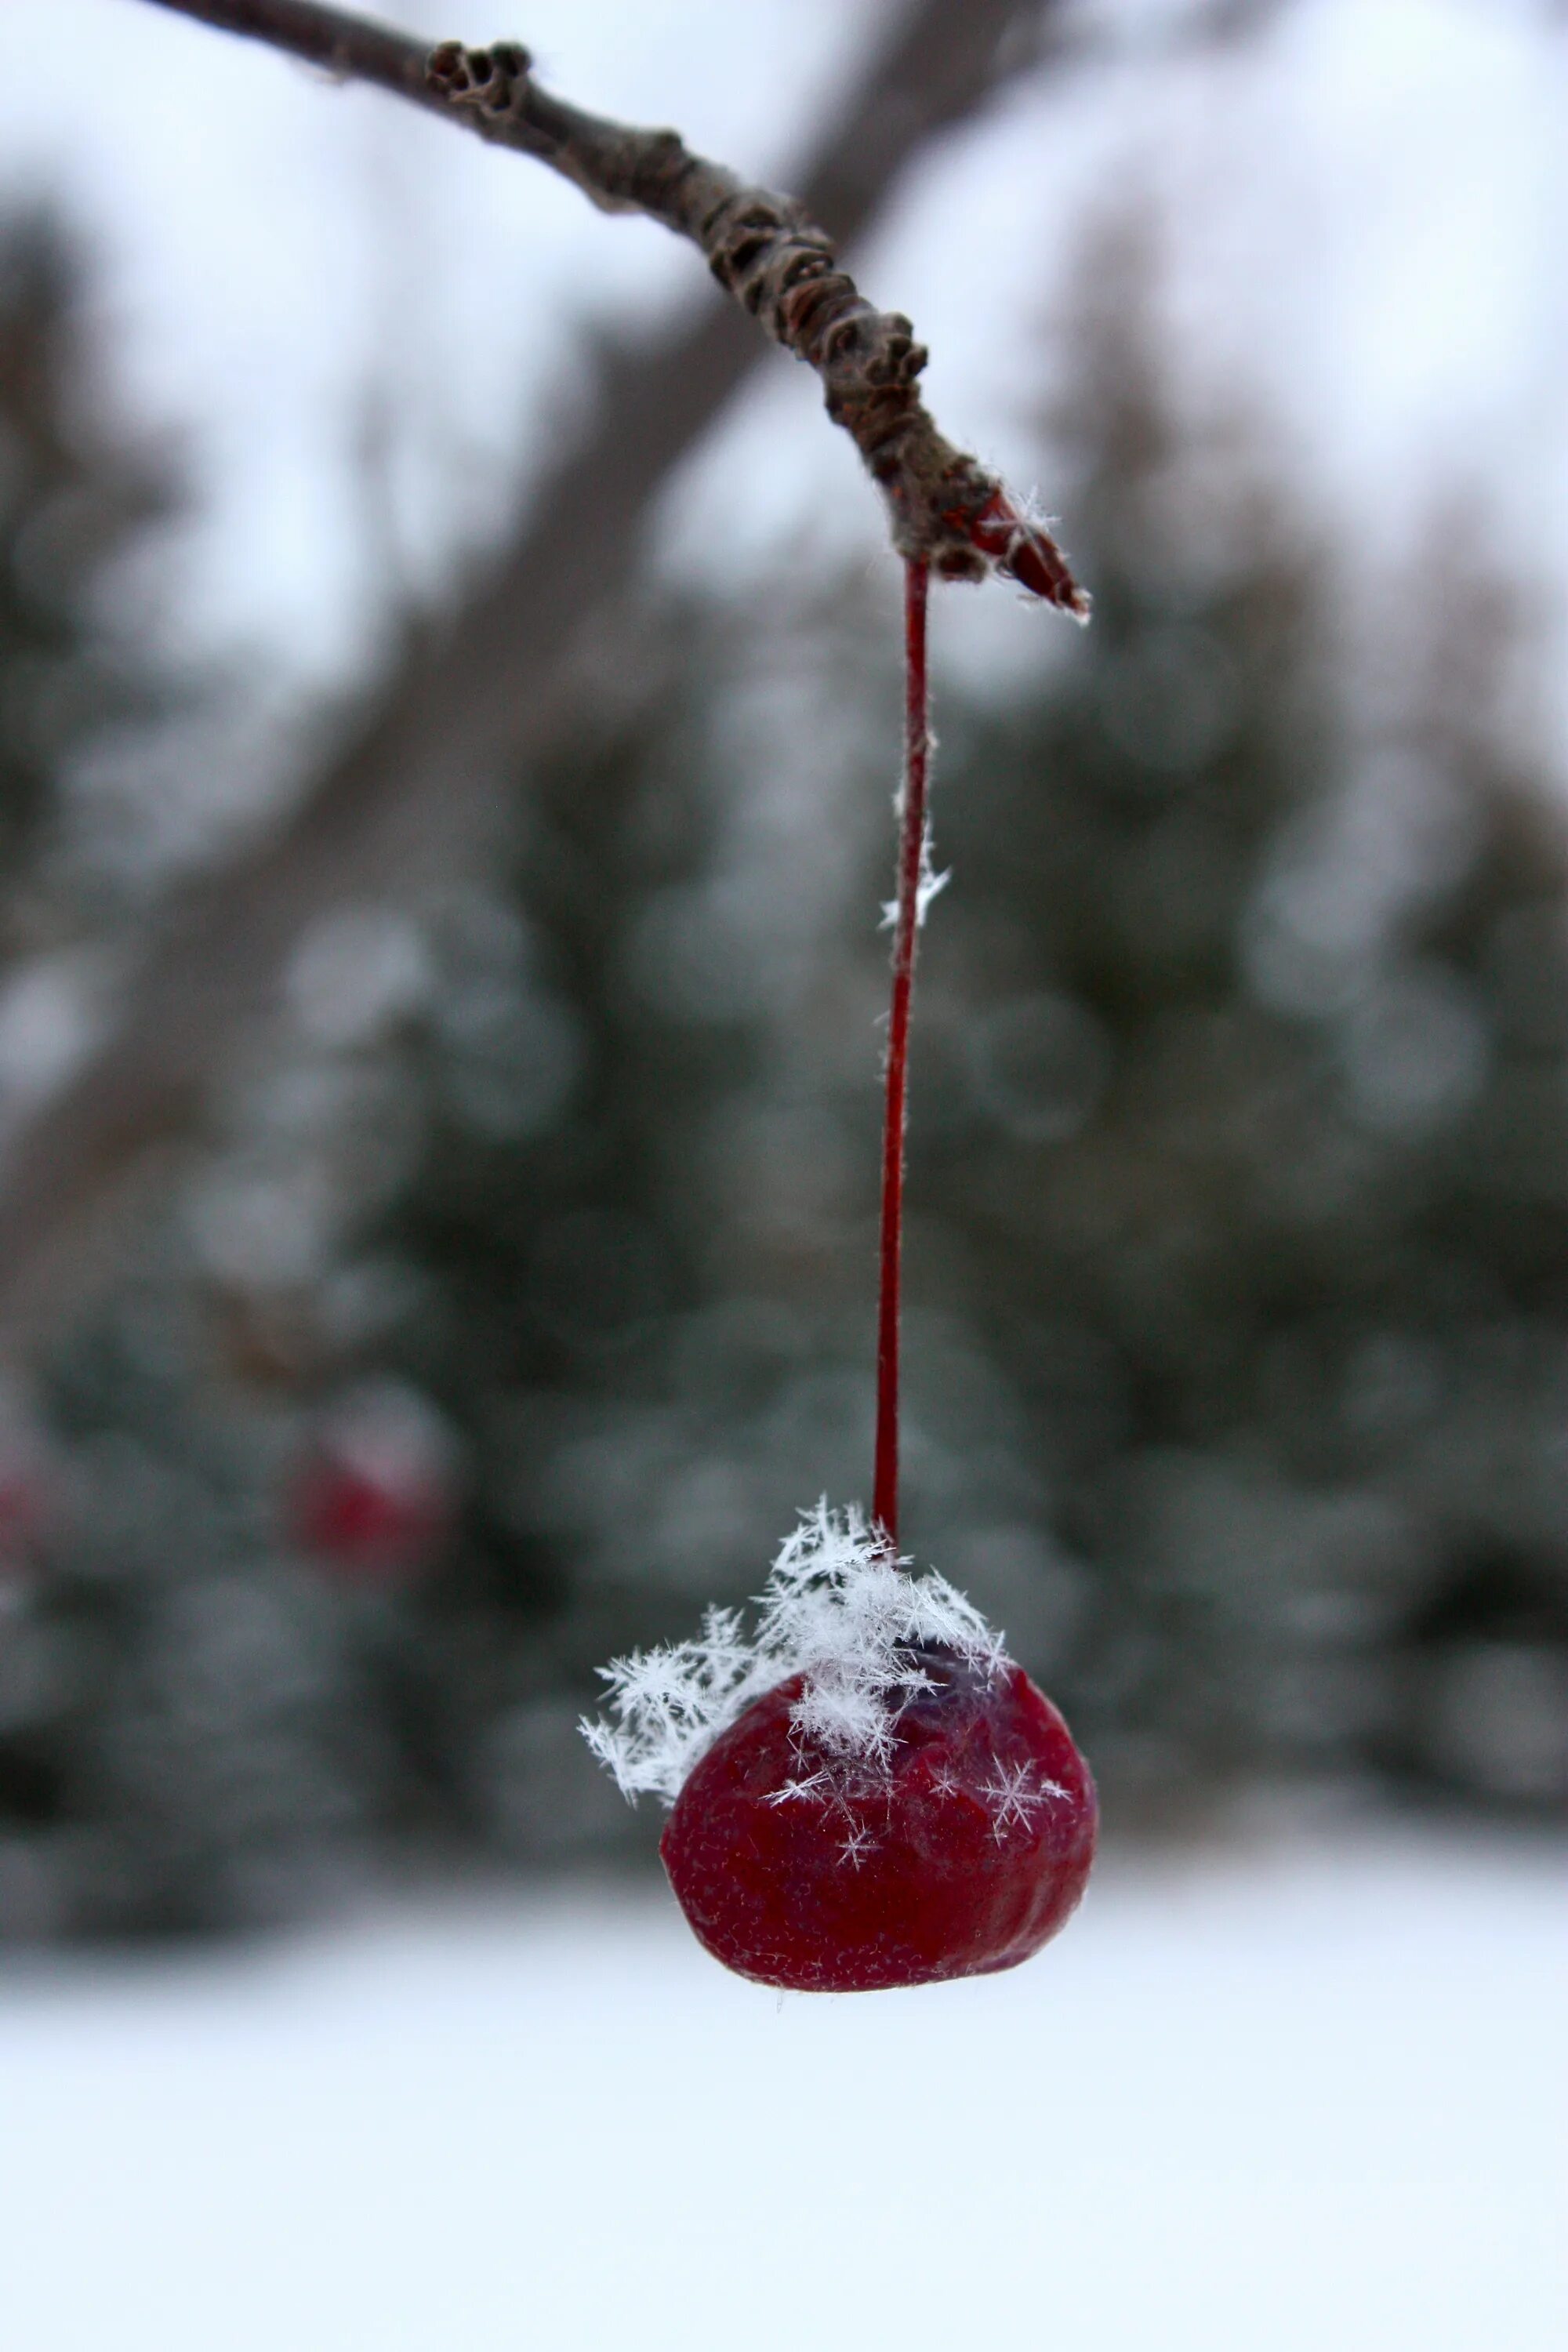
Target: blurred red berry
{"x":960,"y":1853}
{"x":375,"y":1497}
{"x":29,"y":1500}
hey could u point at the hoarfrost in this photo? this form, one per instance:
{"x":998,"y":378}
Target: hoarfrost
{"x":929,"y":885}
{"x":839,"y":1609}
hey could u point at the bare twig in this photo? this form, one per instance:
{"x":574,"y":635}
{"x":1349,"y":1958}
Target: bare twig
{"x":912,"y":868}
{"x":419,"y":790}
{"x":355,"y":48}
{"x":946,"y":509}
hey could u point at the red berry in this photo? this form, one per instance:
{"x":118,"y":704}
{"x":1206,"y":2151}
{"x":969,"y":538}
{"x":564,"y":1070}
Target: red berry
{"x":29,"y":1492}
{"x":23,"y":1511}
{"x":959,"y":1853}
{"x":374,"y":1500}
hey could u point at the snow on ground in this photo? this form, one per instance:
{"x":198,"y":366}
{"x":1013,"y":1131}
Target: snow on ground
{"x":1263,"y":2102}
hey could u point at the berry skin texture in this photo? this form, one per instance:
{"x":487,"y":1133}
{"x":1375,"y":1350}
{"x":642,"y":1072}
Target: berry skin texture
{"x":959,"y":1853}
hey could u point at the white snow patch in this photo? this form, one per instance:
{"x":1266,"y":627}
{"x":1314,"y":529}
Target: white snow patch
{"x":1268,"y":2099}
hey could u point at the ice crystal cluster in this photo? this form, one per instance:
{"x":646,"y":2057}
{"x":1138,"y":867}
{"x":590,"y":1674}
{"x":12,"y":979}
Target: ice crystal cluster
{"x":839,"y":1609}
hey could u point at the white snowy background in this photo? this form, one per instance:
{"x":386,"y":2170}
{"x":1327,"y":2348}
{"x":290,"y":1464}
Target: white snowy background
{"x":1305,"y":2092}
{"x":1301,"y":2095}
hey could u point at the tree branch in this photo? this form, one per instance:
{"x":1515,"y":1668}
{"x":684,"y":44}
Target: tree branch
{"x":355,"y":48}
{"x":419,"y":789}
{"x":944,"y":508}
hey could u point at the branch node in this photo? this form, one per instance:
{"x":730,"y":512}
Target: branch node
{"x":490,"y":82}
{"x":944,"y":509}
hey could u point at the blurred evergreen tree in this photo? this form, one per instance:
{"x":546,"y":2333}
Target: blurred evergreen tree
{"x":1238,"y":1268}
{"x":176,"y":1739}
{"x":1238,"y":1276}
{"x":76,"y":499}
{"x":584,"y":1026}
{"x":1244,"y":1140}
{"x":1237,"y":1363}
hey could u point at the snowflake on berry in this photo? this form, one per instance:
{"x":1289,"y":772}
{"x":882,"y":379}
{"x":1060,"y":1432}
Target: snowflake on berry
{"x":1016,"y":1795}
{"x":840,"y":1609}
{"x":857,"y":1846}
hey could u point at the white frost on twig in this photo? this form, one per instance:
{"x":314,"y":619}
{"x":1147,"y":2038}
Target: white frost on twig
{"x":841,"y":1611}
{"x":929,"y":885}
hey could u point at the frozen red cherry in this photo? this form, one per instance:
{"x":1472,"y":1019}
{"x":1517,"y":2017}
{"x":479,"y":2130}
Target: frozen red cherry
{"x":960,"y":1850}
{"x":867,"y":1791}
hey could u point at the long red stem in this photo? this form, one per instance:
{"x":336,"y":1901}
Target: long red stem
{"x":911,"y":842}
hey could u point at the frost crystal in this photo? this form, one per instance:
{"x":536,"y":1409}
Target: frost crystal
{"x":841,"y":1611}
{"x":929,"y":885}
{"x":1015,"y":1796}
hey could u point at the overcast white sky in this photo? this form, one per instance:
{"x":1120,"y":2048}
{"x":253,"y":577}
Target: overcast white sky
{"x":1368,"y":207}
